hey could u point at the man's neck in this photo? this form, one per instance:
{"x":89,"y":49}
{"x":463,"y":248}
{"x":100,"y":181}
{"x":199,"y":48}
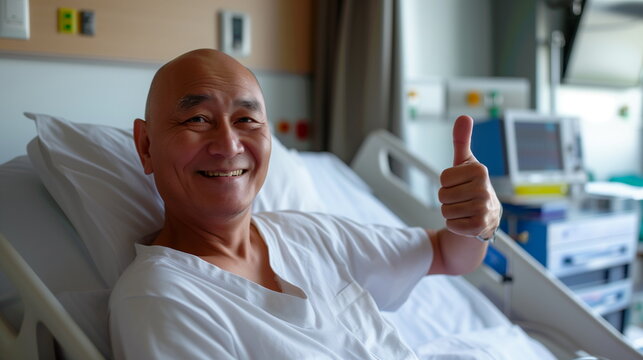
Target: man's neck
{"x":228,"y":237}
{"x":233,"y":245}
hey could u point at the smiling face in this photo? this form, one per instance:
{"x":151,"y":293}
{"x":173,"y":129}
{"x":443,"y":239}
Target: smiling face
{"x":206,"y":138}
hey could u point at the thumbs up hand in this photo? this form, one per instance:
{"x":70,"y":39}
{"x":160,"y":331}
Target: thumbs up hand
{"x":469,"y":203}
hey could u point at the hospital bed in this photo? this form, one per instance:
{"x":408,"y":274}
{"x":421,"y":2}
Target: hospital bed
{"x":55,"y":280}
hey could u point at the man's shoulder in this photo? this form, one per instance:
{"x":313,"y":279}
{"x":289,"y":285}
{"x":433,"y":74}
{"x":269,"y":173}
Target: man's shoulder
{"x":299,"y":225}
{"x":287,"y":213}
{"x":295,"y":218}
{"x":292,"y":221}
{"x":151,"y":274}
{"x":326,"y":233}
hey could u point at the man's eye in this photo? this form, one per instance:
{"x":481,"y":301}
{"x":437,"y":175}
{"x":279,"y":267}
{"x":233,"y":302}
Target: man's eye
{"x":196,"y":119}
{"x":245,"y":120}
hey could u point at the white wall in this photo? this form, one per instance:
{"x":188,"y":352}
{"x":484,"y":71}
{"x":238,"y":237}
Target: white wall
{"x":611,"y":143}
{"x":106,"y":93}
{"x":443,"y":39}
{"x":78,"y":91}
{"x":447,"y":38}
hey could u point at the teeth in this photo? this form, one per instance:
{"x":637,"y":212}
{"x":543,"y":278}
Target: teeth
{"x":222,"y":174}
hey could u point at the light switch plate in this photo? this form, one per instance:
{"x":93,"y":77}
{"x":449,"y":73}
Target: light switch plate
{"x":234,"y":33}
{"x":14,"y":19}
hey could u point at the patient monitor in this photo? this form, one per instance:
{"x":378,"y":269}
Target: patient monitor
{"x":536,"y":166}
{"x":530,"y":154}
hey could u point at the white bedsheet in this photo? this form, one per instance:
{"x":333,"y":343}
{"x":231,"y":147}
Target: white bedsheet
{"x":445,"y":317}
{"x":344,"y":193}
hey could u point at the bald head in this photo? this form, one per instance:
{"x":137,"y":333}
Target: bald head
{"x":200,"y":62}
{"x":206,"y":137}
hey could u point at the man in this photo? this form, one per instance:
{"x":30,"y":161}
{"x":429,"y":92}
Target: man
{"x":221,"y":283}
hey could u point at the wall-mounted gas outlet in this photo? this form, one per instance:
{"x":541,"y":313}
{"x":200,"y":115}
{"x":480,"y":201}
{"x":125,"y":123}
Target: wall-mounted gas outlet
{"x":67,"y":21}
{"x":14,"y":19}
{"x":234,"y":33}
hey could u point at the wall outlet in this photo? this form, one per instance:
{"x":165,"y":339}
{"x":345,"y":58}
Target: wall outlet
{"x":14,"y":19}
{"x":67,"y":21}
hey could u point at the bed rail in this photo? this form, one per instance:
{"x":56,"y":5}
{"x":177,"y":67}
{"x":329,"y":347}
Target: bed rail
{"x":558,"y":312}
{"x":372,"y":163}
{"x":44,"y":318}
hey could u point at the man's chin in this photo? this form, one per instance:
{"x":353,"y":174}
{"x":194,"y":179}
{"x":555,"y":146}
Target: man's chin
{"x":209,"y":207}
{"x":225,"y":210}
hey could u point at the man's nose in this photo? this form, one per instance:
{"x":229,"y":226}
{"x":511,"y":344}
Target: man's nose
{"x":225,"y":141}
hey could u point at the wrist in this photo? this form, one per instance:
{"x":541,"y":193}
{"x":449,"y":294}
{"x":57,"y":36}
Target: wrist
{"x":490,"y":236}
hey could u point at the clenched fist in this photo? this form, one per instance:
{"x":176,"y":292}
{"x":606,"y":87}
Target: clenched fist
{"x":469,"y":203}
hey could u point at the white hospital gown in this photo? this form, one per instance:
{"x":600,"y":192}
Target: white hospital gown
{"x":334,"y":273}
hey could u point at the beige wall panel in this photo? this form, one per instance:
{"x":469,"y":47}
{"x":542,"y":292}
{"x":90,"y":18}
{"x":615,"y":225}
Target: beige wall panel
{"x":158,"y":30}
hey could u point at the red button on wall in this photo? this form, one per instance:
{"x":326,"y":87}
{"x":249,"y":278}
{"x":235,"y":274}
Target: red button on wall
{"x":301,"y":129}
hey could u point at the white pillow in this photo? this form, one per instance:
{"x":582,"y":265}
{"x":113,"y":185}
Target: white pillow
{"x":35,"y":226}
{"x":95,"y":176}
{"x":288,"y":184}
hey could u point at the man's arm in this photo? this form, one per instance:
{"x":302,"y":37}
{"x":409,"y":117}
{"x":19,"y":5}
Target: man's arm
{"x":469,"y":205}
{"x":455,"y":254}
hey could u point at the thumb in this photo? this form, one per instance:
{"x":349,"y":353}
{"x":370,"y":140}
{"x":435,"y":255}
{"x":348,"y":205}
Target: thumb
{"x":462,"y":129}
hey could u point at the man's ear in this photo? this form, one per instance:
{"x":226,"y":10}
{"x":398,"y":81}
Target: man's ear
{"x":142,"y":142}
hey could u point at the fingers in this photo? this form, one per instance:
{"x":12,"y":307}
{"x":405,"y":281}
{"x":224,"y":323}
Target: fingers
{"x":469,"y":204}
{"x":464,"y":209}
{"x":471,"y":218}
{"x":464,"y":192}
{"x":462,"y":130}
{"x":463,"y":173}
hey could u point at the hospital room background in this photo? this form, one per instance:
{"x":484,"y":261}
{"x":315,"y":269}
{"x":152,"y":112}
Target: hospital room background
{"x":334,"y":71}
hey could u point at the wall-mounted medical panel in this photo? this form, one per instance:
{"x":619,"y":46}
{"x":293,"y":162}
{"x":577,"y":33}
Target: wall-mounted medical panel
{"x":152,"y":31}
{"x":426,"y":98}
{"x":485,"y":97}
{"x":435,"y":98}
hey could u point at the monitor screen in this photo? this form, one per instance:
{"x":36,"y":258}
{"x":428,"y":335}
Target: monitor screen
{"x":538,"y":146}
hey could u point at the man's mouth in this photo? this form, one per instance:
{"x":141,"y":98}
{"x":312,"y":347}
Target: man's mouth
{"x":212,"y":174}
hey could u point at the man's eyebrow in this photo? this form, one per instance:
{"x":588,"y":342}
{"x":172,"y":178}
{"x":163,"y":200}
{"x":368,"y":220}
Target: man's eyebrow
{"x":190,"y":100}
{"x":248,"y":104}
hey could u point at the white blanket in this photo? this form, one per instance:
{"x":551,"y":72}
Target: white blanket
{"x":496,"y":343}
